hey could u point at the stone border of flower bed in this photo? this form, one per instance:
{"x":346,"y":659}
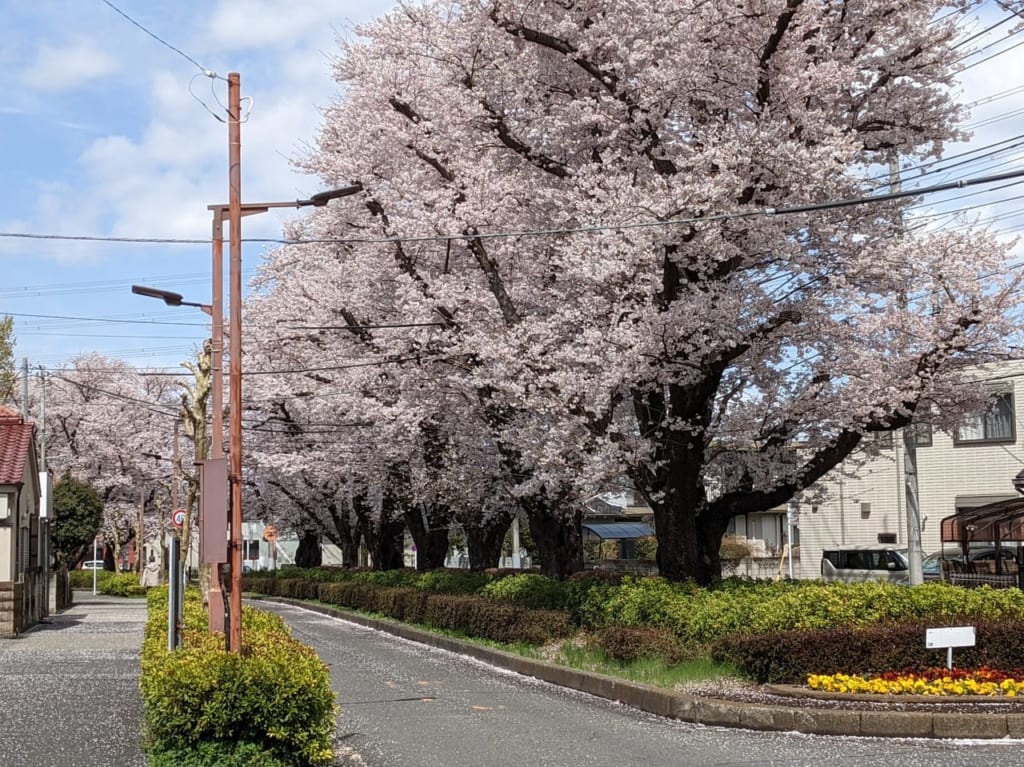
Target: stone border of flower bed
{"x":791,"y":691}
{"x":885,"y":723}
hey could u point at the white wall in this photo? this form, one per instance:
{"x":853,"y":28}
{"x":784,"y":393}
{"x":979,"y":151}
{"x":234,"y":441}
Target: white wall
{"x":948,"y":474}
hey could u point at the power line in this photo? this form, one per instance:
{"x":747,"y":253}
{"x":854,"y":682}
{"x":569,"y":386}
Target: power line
{"x":767,"y":212}
{"x":103,"y":319}
{"x":160,"y":40}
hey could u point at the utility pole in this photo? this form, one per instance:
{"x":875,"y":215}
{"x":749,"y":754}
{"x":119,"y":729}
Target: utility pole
{"x":914,"y":554}
{"x":235,"y":342}
{"x":24,"y":388}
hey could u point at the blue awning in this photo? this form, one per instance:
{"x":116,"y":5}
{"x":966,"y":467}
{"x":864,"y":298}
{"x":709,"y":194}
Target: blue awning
{"x":618,"y":531}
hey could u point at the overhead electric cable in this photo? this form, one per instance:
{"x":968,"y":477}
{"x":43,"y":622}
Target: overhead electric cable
{"x":103,"y":319}
{"x":768,"y":212}
{"x":200,"y":67}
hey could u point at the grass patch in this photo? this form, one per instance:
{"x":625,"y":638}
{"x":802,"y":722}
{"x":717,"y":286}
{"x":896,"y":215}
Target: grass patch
{"x":652,"y":671}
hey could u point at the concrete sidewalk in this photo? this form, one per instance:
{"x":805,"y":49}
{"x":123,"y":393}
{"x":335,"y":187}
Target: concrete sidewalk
{"x":69,"y":688}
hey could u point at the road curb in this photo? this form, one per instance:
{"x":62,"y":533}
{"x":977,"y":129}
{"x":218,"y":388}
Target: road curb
{"x":701,"y":710}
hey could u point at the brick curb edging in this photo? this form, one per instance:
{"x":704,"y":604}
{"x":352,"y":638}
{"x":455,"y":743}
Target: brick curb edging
{"x":701,"y":710}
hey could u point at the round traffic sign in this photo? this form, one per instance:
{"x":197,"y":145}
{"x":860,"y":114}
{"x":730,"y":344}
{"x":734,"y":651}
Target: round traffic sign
{"x":178,"y":517}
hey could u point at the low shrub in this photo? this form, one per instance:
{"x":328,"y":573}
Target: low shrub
{"x":791,"y":656}
{"x":631,"y":643}
{"x":497,"y":621}
{"x":452,"y":581}
{"x":108,"y":582}
{"x":82,"y":579}
{"x":124,"y":585}
{"x":270,"y":705}
{"x":529,"y":590}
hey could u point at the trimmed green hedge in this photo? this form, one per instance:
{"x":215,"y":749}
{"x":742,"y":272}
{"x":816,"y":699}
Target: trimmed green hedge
{"x":473,"y":615}
{"x":270,"y":705}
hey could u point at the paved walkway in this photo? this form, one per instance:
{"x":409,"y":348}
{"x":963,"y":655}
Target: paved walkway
{"x":69,"y":688}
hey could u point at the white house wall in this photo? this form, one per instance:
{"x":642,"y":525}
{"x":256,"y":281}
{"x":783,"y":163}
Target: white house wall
{"x":948,"y":475}
{"x":6,"y":539}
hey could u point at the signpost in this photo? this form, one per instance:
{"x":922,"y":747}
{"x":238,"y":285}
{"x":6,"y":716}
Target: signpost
{"x":270,"y":536}
{"x":956,"y":636}
{"x":176,"y":584}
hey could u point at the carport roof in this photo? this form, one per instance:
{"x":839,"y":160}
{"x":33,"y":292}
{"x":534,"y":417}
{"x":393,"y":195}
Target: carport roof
{"x":619,"y":530}
{"x":1001,"y":521}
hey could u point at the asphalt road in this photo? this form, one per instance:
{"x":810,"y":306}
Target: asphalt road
{"x":407,"y":705}
{"x":69,"y":688}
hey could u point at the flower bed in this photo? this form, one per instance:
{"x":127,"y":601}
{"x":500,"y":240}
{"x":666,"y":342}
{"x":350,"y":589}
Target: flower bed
{"x":932,"y":681}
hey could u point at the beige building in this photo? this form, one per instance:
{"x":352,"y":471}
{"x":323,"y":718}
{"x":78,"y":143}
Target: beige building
{"x":974,"y":465}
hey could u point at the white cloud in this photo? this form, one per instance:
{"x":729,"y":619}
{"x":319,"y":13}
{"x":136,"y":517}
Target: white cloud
{"x":66,"y":68}
{"x":245,"y":24}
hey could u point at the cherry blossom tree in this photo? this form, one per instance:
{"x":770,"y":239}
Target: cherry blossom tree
{"x":102,"y":419}
{"x":582,"y":198}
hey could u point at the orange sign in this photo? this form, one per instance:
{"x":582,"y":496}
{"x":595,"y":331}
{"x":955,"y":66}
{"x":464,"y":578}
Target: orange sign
{"x":270,"y":533}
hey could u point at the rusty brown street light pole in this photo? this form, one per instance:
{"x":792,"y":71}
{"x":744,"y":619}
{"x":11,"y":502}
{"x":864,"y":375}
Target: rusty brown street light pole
{"x":235,"y":210}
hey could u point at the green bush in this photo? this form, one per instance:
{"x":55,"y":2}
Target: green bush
{"x":452,"y":581}
{"x":107,"y":582}
{"x":273,"y":699}
{"x":124,"y":585}
{"x":529,"y":590}
{"x":82,"y":579}
{"x":216,"y":754}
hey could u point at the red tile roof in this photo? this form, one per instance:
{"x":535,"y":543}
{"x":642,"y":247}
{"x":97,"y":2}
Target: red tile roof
{"x":15,"y":444}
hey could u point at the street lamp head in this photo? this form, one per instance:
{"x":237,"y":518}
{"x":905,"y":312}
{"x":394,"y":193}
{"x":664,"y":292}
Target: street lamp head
{"x":168,"y":297}
{"x":1018,"y":482}
{"x":320,"y":199}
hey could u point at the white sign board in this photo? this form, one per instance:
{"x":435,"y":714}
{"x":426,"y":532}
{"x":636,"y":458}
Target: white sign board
{"x":958,"y":636}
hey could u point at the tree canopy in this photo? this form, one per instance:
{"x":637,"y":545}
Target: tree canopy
{"x":78,"y":517}
{"x":572,"y":259}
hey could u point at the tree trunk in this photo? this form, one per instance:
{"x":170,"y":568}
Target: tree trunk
{"x":346,"y":536}
{"x":484,"y":542}
{"x":387,"y":546}
{"x":559,"y":540}
{"x":309,"y":554}
{"x":428,"y":525}
{"x":688,"y":543}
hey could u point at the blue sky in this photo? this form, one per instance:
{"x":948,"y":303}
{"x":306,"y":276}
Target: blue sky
{"x":100,"y":136}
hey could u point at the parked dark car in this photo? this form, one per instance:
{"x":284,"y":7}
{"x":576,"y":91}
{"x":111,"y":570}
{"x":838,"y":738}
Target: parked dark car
{"x":931,"y":565}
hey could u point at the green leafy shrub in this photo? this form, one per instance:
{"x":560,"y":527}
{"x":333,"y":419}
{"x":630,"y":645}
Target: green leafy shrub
{"x":82,"y":579}
{"x":216,"y":754}
{"x":452,"y":581}
{"x":630,"y":643}
{"x":529,"y":590}
{"x":274,"y":698}
{"x":123,"y":585}
{"x":107,"y":582}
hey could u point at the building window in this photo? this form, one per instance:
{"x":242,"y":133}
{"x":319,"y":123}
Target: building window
{"x":887,"y":537}
{"x":865,"y":510}
{"x":993,"y":425}
{"x":922,"y":434}
{"x":252,"y":550}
